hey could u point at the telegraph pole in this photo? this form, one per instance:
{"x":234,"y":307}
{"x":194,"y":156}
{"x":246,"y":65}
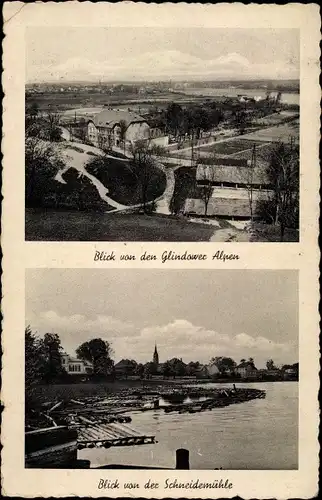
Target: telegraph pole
{"x":250,"y":190}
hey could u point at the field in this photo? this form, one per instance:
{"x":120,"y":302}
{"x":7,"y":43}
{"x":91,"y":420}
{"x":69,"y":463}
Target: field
{"x":281,"y":132}
{"x":230,"y":147}
{"x":55,"y":225}
{"x":71,"y":100}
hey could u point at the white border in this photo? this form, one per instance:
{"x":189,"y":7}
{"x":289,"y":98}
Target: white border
{"x":19,"y":255}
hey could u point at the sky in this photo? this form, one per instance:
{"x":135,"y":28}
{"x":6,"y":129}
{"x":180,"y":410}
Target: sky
{"x":189,"y":314}
{"x":92,"y":54}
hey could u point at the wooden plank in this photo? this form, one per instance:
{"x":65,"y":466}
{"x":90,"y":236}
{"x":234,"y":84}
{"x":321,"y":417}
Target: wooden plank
{"x":122,"y":431}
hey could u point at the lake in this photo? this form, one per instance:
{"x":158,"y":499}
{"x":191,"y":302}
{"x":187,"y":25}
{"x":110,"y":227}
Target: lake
{"x":256,"y":435}
{"x":287,"y":97}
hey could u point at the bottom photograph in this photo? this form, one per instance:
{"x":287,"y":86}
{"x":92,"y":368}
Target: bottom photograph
{"x":161,"y":369}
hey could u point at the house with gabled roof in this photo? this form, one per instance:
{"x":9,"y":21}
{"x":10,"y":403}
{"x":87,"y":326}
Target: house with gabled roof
{"x":247,"y":369}
{"x":105,"y":129}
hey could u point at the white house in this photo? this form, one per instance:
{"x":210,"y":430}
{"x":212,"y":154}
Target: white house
{"x":74,"y":366}
{"x":212,"y":369}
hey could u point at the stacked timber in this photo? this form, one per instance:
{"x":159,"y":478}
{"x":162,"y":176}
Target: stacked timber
{"x":92,"y":434}
{"x":224,"y":398}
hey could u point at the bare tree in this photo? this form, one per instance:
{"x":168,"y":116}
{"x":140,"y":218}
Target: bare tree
{"x":123,"y":129}
{"x":283,"y":174}
{"x":249,"y":179}
{"x":206,"y":188}
{"x":53,"y":121}
{"x":145,"y":164}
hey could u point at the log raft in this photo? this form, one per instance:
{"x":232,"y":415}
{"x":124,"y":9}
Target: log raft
{"x":107,"y":435}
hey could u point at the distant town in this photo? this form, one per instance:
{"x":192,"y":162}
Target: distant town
{"x":163,"y":161}
{"x":94,"y":362}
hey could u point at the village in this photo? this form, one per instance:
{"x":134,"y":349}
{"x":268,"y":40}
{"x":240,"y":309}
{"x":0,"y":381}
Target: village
{"x":219,"y":368}
{"x":189,"y":168}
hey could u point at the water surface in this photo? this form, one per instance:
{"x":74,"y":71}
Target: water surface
{"x":259,"y":434}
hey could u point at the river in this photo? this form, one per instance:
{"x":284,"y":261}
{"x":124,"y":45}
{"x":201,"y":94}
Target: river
{"x":287,"y":97}
{"x":256,"y":435}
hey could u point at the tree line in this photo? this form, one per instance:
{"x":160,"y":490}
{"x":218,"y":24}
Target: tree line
{"x":43,"y":362}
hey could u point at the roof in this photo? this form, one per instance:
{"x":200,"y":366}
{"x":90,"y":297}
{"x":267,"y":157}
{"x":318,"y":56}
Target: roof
{"x":228,"y":207}
{"x":232,"y":174}
{"x":124,"y":363}
{"x":224,"y":161}
{"x":111,"y":117}
{"x":77,"y":360}
{"x":247,"y":364}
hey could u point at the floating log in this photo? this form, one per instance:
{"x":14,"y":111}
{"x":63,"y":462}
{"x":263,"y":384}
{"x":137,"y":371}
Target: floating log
{"x":57,"y":405}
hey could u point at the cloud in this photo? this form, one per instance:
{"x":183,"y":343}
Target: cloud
{"x":181,"y":338}
{"x":182,"y":330}
{"x":163,"y":64}
{"x":258,"y":343}
{"x":77,"y":324}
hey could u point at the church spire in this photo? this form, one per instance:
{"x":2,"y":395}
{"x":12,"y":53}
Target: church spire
{"x":155,"y":355}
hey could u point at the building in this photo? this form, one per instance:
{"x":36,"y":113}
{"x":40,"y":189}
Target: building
{"x":213,"y":370}
{"x":232,"y":180}
{"x":119,"y":128}
{"x":74,"y":366}
{"x":105,"y":130}
{"x":247,"y":369}
{"x":202,"y":372}
{"x":125,"y":367}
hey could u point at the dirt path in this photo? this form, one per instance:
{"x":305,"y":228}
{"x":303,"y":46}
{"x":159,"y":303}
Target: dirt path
{"x":230,"y":234}
{"x":78,"y":161}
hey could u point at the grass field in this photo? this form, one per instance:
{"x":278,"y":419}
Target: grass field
{"x":230,"y":147}
{"x":77,"y":194}
{"x":52,"y":225}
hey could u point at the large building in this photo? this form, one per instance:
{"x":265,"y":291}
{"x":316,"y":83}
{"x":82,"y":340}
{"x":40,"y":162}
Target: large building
{"x":74,"y":366}
{"x":118,"y":128}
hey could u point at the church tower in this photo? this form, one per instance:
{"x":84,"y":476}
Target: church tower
{"x":155,"y":356}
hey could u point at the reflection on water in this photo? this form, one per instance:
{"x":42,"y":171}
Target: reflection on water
{"x":258,"y":434}
{"x":178,"y":399}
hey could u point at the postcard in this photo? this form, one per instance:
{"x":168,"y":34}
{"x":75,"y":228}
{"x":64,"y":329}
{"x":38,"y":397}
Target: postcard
{"x":160,"y":250}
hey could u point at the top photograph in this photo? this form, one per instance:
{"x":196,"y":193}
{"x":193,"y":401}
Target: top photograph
{"x":162,"y":134}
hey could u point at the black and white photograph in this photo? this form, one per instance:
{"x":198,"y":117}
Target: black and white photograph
{"x":162,"y":134}
{"x":161,"y":369}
